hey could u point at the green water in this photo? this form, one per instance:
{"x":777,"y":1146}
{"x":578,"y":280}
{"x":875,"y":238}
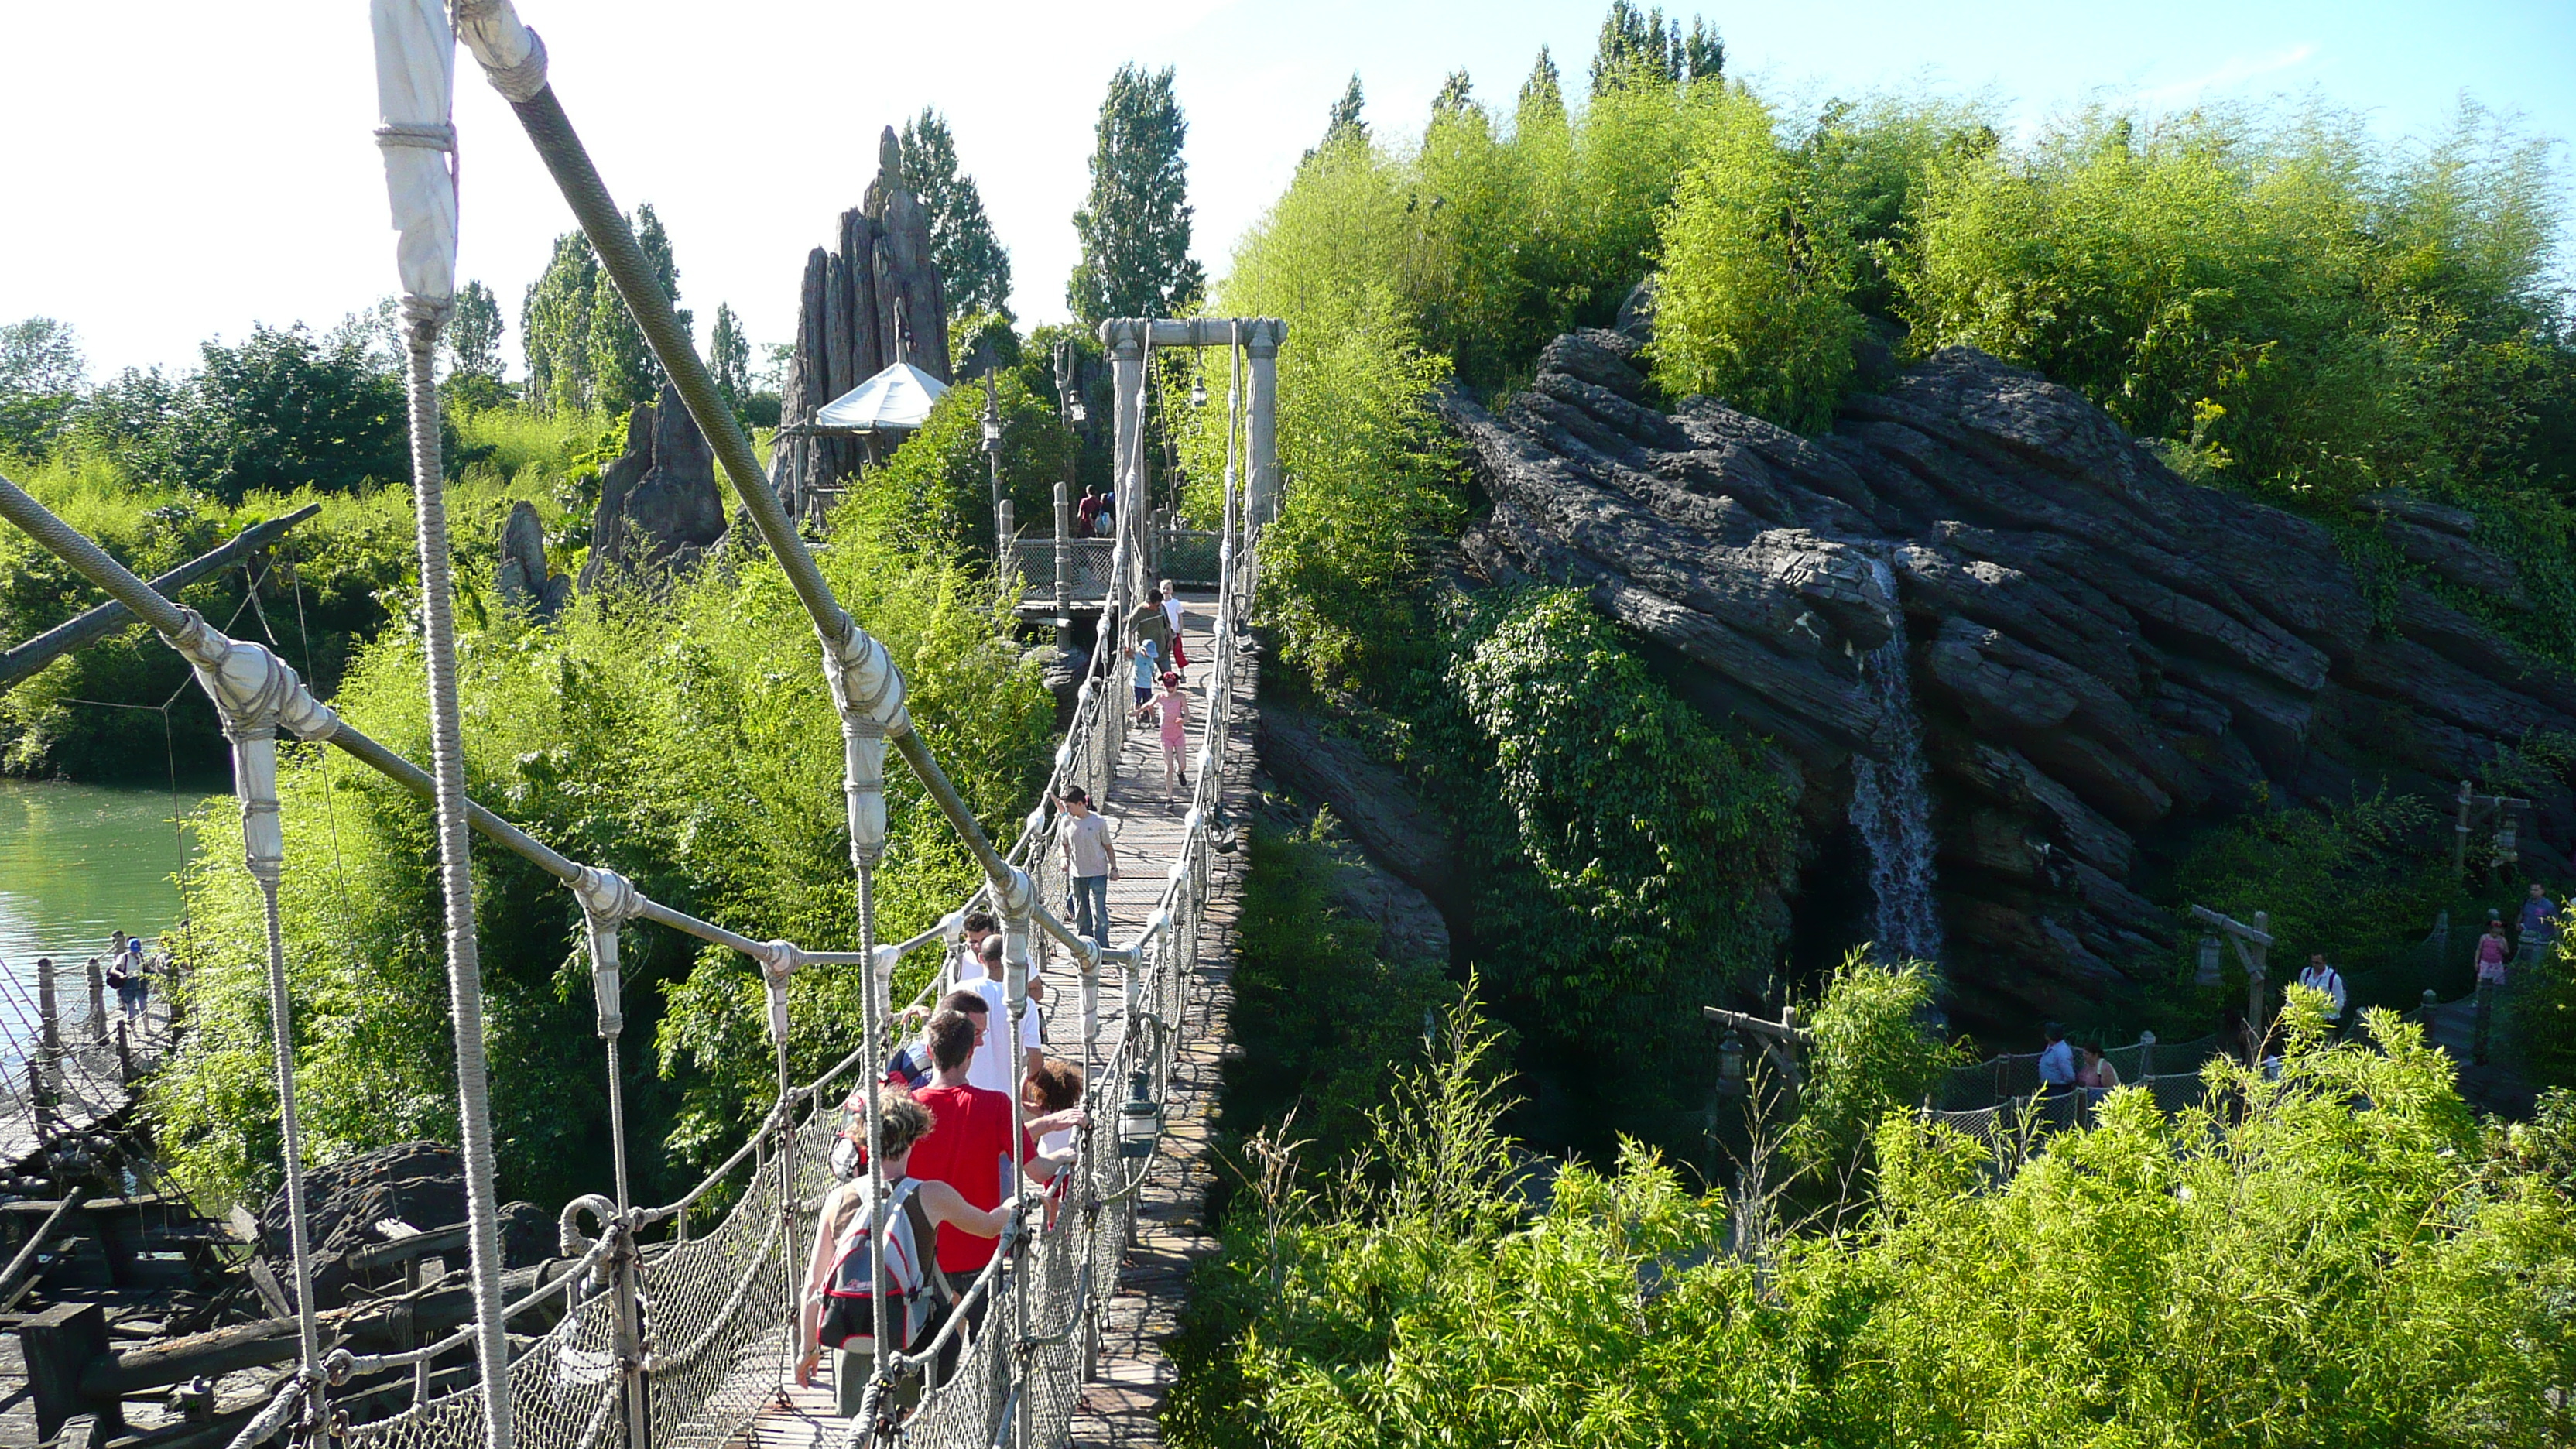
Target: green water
{"x":80,"y":861}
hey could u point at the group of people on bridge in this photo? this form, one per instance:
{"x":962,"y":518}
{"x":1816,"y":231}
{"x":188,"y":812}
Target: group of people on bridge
{"x":945,"y":1147}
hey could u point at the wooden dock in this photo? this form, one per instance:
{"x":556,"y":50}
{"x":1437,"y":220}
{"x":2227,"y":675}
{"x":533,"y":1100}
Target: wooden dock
{"x":89,"y":1086}
{"x":1119,"y":1407}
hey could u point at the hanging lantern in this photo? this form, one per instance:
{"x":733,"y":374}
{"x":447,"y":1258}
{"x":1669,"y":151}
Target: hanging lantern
{"x":1730,"y":1066}
{"x":1198,"y":391}
{"x":992,"y":433}
{"x":1140,"y":1120}
{"x":2210,"y":972}
{"x":1074,"y":409}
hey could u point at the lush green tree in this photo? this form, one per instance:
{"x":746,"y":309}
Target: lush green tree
{"x":729,"y":358}
{"x":1135,"y":224}
{"x":1642,"y":47}
{"x":936,"y":492}
{"x":623,"y":370}
{"x":1870,"y":1053}
{"x":1343,"y":122}
{"x":1754,"y":301}
{"x":1642,"y":850}
{"x":974,"y":270}
{"x":554,"y":327}
{"x":473,"y":333}
{"x":41,"y":374}
{"x":1542,"y":97}
{"x":1457,"y":93}
{"x":277,"y":413}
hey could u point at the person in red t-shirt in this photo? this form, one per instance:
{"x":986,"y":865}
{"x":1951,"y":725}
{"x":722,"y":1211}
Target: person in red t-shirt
{"x":970,"y":1142}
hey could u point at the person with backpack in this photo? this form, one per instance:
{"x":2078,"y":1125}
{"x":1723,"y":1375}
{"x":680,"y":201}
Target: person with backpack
{"x":2321,"y":977}
{"x":838,"y":1308}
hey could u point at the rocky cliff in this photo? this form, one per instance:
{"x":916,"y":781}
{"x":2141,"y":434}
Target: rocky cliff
{"x":2098,"y":652}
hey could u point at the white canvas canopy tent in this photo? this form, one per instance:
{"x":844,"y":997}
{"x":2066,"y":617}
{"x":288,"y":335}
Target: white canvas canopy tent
{"x":896,"y":400}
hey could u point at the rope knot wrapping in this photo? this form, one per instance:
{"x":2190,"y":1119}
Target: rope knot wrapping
{"x":867,"y":691}
{"x":607,"y":900}
{"x":512,"y":56}
{"x":426,"y":137}
{"x":778,"y":963}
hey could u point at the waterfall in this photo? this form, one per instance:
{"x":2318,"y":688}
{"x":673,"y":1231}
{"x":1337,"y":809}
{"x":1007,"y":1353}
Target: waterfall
{"x":1890,"y":807}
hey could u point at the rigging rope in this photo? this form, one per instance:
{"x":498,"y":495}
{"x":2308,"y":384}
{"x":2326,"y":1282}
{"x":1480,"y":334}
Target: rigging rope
{"x":464,"y":963}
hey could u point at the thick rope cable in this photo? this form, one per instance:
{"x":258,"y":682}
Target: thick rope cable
{"x":281,"y":1028}
{"x":464,"y":962}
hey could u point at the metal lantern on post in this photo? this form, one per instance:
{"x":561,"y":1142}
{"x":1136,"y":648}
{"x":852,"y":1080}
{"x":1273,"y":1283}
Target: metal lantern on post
{"x":2212,"y":970}
{"x":1730,"y":1066}
{"x":1140,"y":1118}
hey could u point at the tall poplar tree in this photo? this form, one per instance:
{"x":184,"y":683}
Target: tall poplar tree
{"x":623,"y":369}
{"x":729,"y":358}
{"x":1542,"y":97}
{"x":1641,"y":45}
{"x":1135,"y":225}
{"x":554,"y":327}
{"x":473,"y":332}
{"x":974,"y":270}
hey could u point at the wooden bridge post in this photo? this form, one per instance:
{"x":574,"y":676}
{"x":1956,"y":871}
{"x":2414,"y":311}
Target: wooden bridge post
{"x":2146,"y":1055}
{"x":1125,"y":338}
{"x":97,"y":1002}
{"x":1261,"y":340}
{"x":1063,"y":542}
{"x":49,"y":1015}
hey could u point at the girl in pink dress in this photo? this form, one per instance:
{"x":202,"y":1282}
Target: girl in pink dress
{"x":1175,"y":708}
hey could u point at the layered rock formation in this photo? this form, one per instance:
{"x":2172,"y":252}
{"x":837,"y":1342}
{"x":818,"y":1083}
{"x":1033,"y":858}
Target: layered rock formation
{"x":659,"y":506}
{"x":2099,"y":651}
{"x":874,"y":300}
{"x":379,"y":1195}
{"x":523,"y":578}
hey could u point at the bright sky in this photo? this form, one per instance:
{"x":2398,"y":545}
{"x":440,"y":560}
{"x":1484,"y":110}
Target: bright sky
{"x":180,"y":170}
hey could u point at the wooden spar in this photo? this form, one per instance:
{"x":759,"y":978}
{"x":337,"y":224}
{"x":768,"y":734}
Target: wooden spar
{"x":25,"y":1262}
{"x":107,"y":618}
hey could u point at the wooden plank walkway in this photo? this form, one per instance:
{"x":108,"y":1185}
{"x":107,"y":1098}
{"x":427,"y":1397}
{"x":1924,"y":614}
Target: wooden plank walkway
{"x":90,"y":1087}
{"x":1120,"y":1406}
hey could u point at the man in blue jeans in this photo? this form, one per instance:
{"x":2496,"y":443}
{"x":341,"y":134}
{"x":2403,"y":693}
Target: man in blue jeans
{"x":1090,"y":862}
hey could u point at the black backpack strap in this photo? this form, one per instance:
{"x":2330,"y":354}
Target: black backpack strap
{"x":925,"y":1241}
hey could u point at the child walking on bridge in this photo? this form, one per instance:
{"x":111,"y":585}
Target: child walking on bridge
{"x":1174,"y":705}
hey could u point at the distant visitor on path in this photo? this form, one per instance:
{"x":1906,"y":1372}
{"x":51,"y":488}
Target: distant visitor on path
{"x":2056,"y":1063}
{"x":2097,"y":1075}
{"x":2321,"y":977}
{"x":2491,"y":957}
{"x":2539,"y":925}
{"x":1090,"y":863}
{"x":1172,"y":616}
{"x":993,"y":1069}
{"x":1146,"y":664}
{"x":1174,"y":704}
{"x":1086,"y":515}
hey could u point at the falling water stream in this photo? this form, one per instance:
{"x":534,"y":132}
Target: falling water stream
{"x":1891,"y":808}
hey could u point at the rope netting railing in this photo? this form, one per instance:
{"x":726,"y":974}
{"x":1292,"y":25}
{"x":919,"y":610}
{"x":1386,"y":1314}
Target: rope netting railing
{"x":1998,"y":1080}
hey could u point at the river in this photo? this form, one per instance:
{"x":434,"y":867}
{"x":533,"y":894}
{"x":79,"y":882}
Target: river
{"x":78,"y":862}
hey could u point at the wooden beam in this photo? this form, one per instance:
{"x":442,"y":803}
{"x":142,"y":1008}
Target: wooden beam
{"x":2231,"y":926}
{"x":108,"y":618}
{"x":1740,"y":1021}
{"x":23,"y":1266}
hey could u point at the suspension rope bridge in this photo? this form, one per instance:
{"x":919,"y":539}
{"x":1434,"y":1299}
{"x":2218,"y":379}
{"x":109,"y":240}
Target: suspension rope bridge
{"x":665,"y":1339}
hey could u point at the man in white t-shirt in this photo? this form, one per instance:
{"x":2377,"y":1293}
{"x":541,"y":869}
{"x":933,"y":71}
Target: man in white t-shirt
{"x":2321,"y":977}
{"x":991,"y":1067}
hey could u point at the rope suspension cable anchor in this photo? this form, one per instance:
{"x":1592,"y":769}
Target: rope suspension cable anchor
{"x":415,"y":52}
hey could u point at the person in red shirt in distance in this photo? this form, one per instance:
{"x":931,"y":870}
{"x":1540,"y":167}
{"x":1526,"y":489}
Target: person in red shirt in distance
{"x":969,"y":1145}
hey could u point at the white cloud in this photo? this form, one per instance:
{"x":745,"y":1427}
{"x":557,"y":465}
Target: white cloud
{"x":2235,"y":71}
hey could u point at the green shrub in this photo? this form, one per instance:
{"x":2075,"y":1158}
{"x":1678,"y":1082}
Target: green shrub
{"x":2326,"y":1259}
{"x":936,"y":492}
{"x":1753,"y":302}
{"x":1870,"y":1055}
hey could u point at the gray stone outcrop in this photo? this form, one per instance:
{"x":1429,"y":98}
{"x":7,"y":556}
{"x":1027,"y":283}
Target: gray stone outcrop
{"x":2102,"y":653}
{"x":659,"y":506}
